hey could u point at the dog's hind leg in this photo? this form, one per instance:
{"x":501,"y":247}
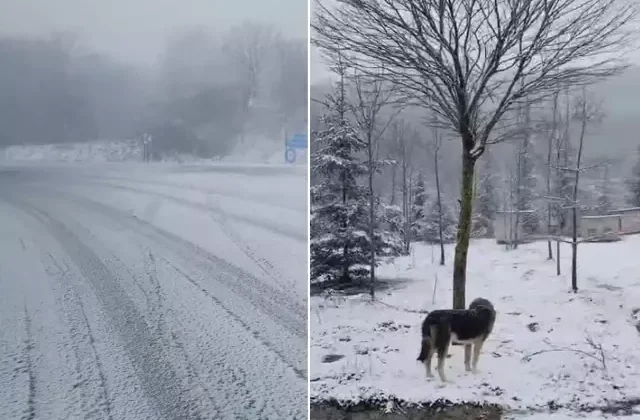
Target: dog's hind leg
{"x":426,"y":354}
{"x":467,"y":357}
{"x":442,"y":338}
{"x":477,"y":348}
{"x":427,"y":361}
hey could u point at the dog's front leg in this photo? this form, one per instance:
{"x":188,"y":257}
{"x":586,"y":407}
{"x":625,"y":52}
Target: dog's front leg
{"x":467,"y":357}
{"x":477,"y":348}
{"x":427,"y":365}
{"x":441,"y":360}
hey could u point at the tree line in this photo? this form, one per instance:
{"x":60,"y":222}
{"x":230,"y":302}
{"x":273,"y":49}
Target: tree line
{"x":205,"y":94}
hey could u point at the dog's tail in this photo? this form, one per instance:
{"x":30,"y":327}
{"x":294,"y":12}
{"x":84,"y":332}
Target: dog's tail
{"x":425,"y":348}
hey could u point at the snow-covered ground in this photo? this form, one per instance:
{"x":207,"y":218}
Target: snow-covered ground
{"x":161,"y":291}
{"x":257,"y":150}
{"x":539,"y":355}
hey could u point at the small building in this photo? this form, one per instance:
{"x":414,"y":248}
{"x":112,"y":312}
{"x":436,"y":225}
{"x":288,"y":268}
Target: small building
{"x":603,"y":228}
{"x":630,"y":220}
{"x":508,"y":226}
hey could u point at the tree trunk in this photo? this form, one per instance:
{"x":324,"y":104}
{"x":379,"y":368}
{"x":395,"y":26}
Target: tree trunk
{"x":372,"y":251}
{"x":464,"y":228}
{"x":549,"y":154}
{"x":574,"y":250}
{"x":405,"y":206}
{"x":345,"y":249}
{"x":574,"y":236}
{"x":558,"y":258}
{"x":514,"y":244}
{"x":439,"y":198}
{"x":394,"y":169}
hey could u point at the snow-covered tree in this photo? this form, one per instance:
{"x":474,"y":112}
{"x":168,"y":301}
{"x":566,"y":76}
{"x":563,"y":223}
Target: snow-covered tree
{"x":339,"y":242}
{"x":604,"y":203}
{"x":419,"y":200}
{"x":526,"y":182}
{"x":389,"y":238}
{"x":633,"y":183}
{"x":486,"y":200}
{"x":430,"y":231}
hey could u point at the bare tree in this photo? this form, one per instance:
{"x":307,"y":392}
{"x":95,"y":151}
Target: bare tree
{"x":551,"y":133}
{"x":587,"y":111}
{"x":435,"y":147}
{"x":469,"y":61}
{"x":371,"y":98}
{"x":562,"y":146}
{"x":523,"y":172}
{"x":248,"y":45}
{"x":403,"y":147}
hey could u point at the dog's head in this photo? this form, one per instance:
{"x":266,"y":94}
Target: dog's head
{"x":483,"y":308}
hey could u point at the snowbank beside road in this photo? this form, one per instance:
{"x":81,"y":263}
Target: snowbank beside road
{"x":264,"y":151}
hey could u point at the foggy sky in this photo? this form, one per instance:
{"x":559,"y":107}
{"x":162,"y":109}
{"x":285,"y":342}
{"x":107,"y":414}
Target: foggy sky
{"x":135,"y":30}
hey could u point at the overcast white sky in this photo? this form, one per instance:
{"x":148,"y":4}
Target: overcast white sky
{"x":135,"y":30}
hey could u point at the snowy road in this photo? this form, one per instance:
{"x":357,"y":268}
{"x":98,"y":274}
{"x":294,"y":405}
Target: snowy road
{"x":153,"y":293}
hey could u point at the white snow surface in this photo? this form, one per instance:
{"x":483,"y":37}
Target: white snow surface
{"x":160,"y":291}
{"x":380,"y":341}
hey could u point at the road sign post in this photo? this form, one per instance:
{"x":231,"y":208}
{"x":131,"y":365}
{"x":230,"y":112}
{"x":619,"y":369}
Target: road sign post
{"x":297,"y":142}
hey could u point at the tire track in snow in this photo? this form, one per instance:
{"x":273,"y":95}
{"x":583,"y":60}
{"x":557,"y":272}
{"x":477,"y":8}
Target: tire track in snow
{"x":158,"y":307}
{"x":155,"y":371}
{"x":263,"y":264}
{"x":263,"y":224}
{"x":195,"y":356}
{"x":259,"y":293}
{"x":264,"y":199}
{"x":301,"y":374}
{"x":156,"y":320}
{"x":30,"y":412}
{"x":238,"y":393}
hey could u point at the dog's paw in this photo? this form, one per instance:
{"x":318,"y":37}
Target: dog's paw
{"x":442,"y":384}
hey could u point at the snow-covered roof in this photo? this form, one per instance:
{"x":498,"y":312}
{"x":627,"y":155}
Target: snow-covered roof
{"x":602,"y":216}
{"x":515,"y":211}
{"x":626,"y":210}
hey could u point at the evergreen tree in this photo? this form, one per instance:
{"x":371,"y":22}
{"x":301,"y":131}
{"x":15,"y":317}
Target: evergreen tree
{"x":339,"y":243}
{"x":389,"y":231}
{"x":486,"y":200}
{"x":417,"y":208}
{"x":604,"y":203}
{"x":633,"y":183}
{"x":526,"y":185}
{"x":430,"y":231}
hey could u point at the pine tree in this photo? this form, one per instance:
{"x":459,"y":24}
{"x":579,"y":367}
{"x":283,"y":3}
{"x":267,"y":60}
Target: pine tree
{"x":486,"y":200}
{"x":526,"y":184}
{"x":339,"y":243}
{"x":633,"y":183}
{"x":430,"y":231}
{"x":389,"y":231}
{"x":417,"y":207}
{"x":604,"y":203}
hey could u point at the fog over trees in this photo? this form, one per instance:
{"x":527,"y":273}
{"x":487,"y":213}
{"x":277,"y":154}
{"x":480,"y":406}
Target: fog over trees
{"x":208,"y":91}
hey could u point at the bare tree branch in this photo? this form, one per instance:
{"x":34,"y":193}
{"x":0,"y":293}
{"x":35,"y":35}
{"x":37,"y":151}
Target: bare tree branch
{"x":469,"y":61}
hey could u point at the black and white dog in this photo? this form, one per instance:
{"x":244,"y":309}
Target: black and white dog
{"x":469,"y":327}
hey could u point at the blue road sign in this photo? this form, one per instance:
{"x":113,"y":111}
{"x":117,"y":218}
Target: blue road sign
{"x":289,"y":155}
{"x":298,"y":141}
